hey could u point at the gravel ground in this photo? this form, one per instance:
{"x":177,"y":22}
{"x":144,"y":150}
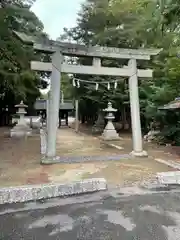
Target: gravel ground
{"x":20,"y":162}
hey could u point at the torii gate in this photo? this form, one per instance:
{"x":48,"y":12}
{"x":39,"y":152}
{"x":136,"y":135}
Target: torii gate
{"x":57,"y":66}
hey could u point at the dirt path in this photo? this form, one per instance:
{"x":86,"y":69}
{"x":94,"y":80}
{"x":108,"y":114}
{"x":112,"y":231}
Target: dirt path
{"x":20,"y":161}
{"x":70,"y":143}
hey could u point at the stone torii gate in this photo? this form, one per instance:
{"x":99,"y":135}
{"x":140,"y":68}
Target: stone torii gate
{"x":57,"y":66}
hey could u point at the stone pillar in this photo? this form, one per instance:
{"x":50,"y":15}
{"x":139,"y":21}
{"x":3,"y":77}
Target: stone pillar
{"x":62,"y":97}
{"x":54,"y":101}
{"x":99,"y":124}
{"x":135,"y":111}
{"x":47,"y":112}
{"x":76,"y":115}
{"x":59,"y":119}
{"x":66,"y":118}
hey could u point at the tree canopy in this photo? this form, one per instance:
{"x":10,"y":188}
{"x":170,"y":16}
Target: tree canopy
{"x":133,"y":24}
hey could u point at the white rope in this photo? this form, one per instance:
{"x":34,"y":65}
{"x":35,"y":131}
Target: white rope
{"x":99,"y":82}
{"x":76,"y":83}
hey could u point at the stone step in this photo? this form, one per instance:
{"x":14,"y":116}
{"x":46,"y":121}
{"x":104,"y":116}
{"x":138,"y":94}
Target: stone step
{"x":172,"y":177}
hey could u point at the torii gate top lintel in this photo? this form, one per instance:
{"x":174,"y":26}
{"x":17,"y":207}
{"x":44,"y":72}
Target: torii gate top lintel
{"x":72,"y":49}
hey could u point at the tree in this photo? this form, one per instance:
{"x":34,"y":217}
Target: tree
{"x":100,"y":23}
{"x":171,"y":13}
{"x":18,"y":82}
{"x":66,"y":86}
{"x":19,"y":3}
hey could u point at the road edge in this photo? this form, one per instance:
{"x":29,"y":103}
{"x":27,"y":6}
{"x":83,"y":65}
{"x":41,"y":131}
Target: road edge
{"x":51,"y":190}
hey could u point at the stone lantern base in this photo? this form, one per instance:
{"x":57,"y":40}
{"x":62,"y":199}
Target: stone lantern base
{"x":20,"y":131}
{"x":110,"y":133}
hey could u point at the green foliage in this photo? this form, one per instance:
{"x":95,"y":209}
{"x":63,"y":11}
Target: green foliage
{"x":66,"y":86}
{"x":170,"y":130}
{"x":18,"y":82}
{"x":171,"y":13}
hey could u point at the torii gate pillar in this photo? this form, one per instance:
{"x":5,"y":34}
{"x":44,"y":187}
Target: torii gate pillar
{"x":135,"y":111}
{"x":53,"y":106}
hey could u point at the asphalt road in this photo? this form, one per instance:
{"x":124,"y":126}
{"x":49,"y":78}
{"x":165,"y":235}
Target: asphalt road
{"x":101,"y":216}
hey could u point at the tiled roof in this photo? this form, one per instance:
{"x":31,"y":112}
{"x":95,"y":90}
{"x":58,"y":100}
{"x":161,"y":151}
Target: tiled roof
{"x":41,"y":105}
{"x":172,"y":105}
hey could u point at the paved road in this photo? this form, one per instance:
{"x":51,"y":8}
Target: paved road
{"x":102,"y":216}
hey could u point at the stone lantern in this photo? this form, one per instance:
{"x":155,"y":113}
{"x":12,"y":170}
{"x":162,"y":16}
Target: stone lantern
{"x":21,"y":128}
{"x":109,"y":132}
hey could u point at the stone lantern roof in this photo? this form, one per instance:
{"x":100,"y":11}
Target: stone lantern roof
{"x":175,"y":104}
{"x":21,"y":105}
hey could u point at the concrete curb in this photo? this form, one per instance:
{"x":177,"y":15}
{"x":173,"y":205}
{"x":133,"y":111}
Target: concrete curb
{"x":114,"y":145}
{"x":169,"y":163}
{"x":37,"y":192}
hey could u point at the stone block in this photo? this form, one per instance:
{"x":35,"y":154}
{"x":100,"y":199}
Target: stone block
{"x":20,"y":133}
{"x":169,"y":177}
{"x":52,"y":190}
